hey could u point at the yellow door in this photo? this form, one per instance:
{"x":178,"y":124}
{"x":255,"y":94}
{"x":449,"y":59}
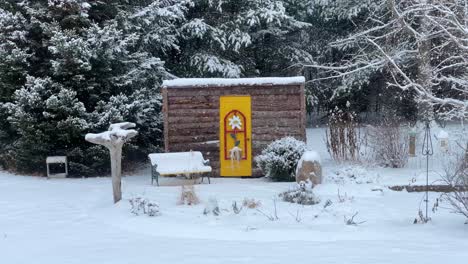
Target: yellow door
{"x":235,"y":130}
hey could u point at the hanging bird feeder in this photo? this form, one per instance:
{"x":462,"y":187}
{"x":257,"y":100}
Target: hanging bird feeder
{"x":443,"y":138}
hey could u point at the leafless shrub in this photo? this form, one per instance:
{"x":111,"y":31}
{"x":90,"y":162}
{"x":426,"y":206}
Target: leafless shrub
{"x":388,"y":143}
{"x":145,"y":206}
{"x":435,"y":206}
{"x":251,"y":203}
{"x":456,"y":174}
{"x":342,"y":136}
{"x":327,"y":203}
{"x":344,"y":198}
{"x":212,"y":207}
{"x":351,"y":221}
{"x":297,"y":217}
{"x":188,"y":195}
{"x":271,"y":217}
{"x":235,"y":208}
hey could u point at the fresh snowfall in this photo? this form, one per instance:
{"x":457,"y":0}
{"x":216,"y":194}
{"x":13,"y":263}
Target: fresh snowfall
{"x":75,"y":221}
{"x":348,"y":111}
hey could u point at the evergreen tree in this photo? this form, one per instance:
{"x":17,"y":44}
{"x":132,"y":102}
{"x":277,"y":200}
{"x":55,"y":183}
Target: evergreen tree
{"x":238,"y":38}
{"x":48,"y":117}
{"x":76,"y":74}
{"x":68,"y":67}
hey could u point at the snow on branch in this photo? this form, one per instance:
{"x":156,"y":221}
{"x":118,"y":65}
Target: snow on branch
{"x":421,"y":46}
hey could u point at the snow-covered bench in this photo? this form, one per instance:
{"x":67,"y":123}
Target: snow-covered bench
{"x":177,"y":163}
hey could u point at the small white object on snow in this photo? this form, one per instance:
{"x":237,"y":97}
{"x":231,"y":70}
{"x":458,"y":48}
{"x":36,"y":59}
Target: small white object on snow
{"x":223,"y":82}
{"x":443,"y":138}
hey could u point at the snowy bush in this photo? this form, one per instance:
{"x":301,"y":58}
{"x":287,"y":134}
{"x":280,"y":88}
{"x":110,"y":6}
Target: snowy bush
{"x":301,"y":193}
{"x":144,"y":206}
{"x":279,"y":159}
{"x":388,"y":143}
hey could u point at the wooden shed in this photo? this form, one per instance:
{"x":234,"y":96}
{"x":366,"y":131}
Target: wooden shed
{"x":232,"y":120}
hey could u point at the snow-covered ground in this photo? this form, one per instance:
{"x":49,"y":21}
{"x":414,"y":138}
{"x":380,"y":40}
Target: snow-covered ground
{"x":74,"y":221}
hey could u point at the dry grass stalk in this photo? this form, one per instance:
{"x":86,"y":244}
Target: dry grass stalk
{"x":271,"y":217}
{"x":188,"y":195}
{"x":251,"y":203}
{"x":345,"y":198}
{"x":351,"y":221}
{"x":342,"y":136}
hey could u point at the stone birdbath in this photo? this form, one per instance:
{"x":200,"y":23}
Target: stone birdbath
{"x":114,"y":139}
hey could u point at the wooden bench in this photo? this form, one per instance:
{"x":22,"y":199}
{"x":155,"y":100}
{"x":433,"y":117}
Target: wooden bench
{"x":178,"y":163}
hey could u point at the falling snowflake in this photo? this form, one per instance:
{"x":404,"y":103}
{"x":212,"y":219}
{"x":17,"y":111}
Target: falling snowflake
{"x":235,"y":122}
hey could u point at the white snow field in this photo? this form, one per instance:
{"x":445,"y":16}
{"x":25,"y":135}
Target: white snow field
{"x":75,"y":221}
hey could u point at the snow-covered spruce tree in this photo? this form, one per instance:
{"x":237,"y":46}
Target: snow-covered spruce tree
{"x":85,"y":72}
{"x":13,"y":61}
{"x":112,"y":55}
{"x":13,"y":52}
{"x":238,"y":38}
{"x":418,"y":46}
{"x":47,"y":117}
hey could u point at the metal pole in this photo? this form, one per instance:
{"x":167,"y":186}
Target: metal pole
{"x":427,"y":150}
{"x":427,"y":184}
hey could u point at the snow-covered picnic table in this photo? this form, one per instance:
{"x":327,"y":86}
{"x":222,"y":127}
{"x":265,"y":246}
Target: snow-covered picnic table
{"x":178,"y":163}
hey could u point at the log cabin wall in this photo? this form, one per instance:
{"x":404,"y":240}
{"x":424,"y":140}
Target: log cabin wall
{"x":191,"y":117}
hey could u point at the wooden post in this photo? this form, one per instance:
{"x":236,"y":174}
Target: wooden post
{"x":465,"y":164}
{"x":166,"y":118}
{"x":303,"y":120}
{"x":116,"y":171}
{"x":412,"y":145}
{"x":114,"y":140}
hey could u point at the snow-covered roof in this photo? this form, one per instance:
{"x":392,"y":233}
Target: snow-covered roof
{"x":225,"y":82}
{"x":442,"y":134}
